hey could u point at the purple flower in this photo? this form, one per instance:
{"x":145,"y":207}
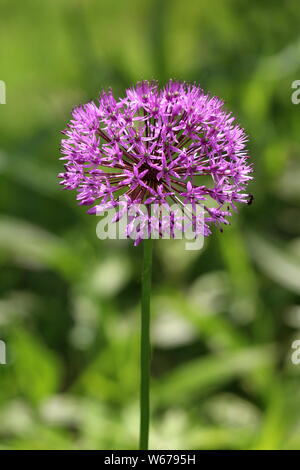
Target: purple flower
{"x":171,"y":146}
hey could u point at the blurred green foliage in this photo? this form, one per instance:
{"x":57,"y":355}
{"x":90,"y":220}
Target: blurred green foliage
{"x":224,"y":318}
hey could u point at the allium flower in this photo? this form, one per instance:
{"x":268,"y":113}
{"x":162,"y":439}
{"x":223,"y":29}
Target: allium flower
{"x":171,"y":146}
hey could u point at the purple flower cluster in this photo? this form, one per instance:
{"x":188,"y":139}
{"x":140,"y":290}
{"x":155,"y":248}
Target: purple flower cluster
{"x":174,"y":145}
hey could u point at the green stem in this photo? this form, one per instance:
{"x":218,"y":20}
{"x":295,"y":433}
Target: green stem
{"x":145,"y":344}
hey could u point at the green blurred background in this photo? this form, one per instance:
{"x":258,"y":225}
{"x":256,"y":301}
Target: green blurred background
{"x":223,"y":318}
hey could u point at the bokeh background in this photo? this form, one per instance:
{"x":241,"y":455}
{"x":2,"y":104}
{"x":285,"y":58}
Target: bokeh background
{"x":223,"y":318}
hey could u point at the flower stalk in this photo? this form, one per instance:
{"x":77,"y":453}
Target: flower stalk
{"x":145,"y":357}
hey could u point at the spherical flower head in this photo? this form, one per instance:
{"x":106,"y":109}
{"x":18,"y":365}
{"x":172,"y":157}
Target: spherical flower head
{"x":171,"y":147}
